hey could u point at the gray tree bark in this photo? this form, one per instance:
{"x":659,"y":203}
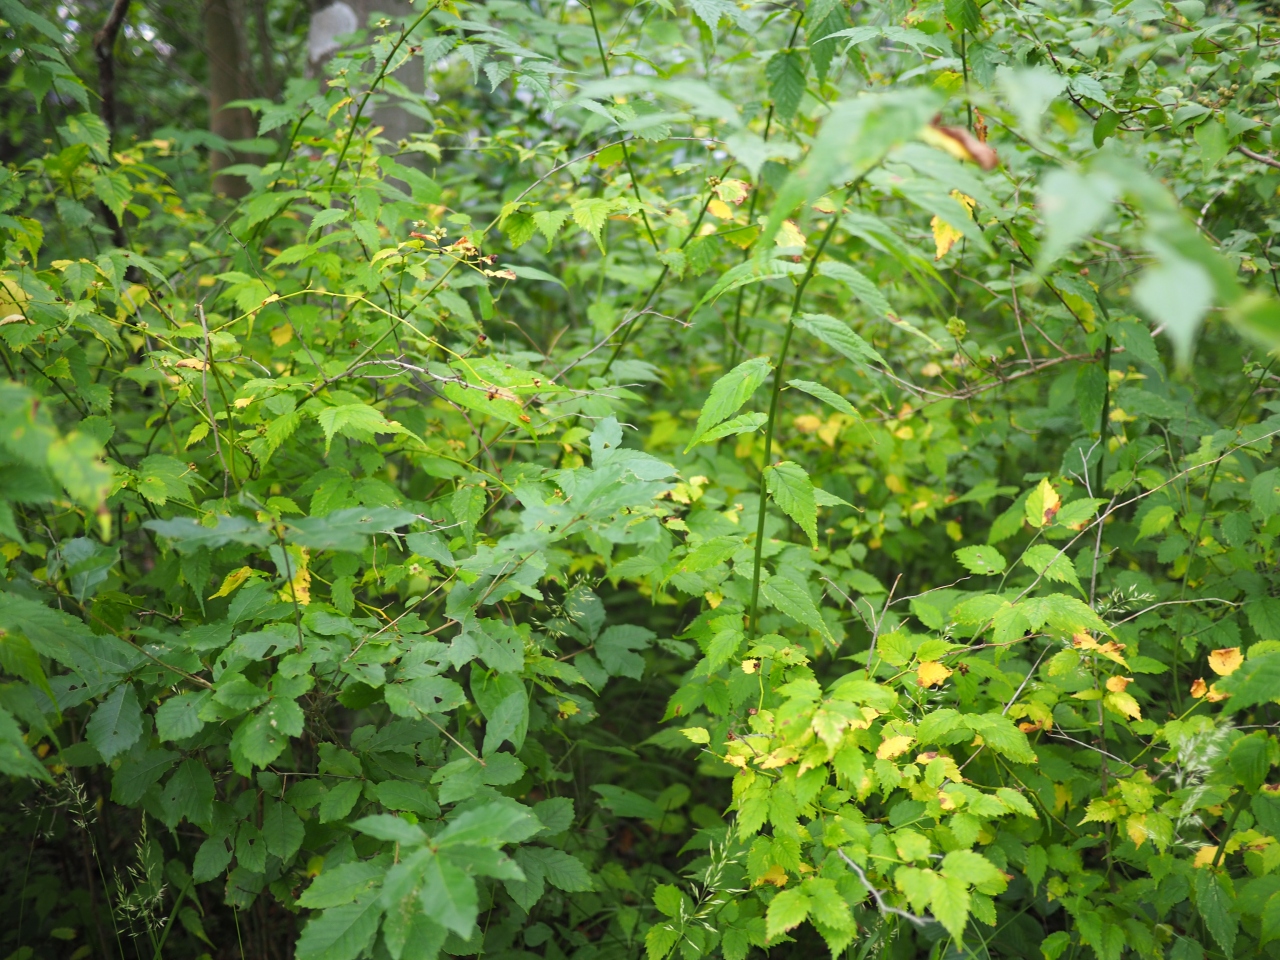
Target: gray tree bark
{"x":337,"y":19}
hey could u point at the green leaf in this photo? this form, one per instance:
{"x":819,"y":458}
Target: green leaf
{"x":837,"y":335}
{"x":112,"y":187}
{"x":1052,"y":564}
{"x":426,"y":695}
{"x":384,"y":826}
{"x":743,"y":423}
{"x":785,"y":73}
{"x":491,"y":825}
{"x":449,"y":896}
{"x":339,"y":801}
{"x":189,"y":793}
{"x":355,"y":420}
{"x":859,"y":285}
{"x":974,"y":869}
{"x":728,"y":394}
{"x":981,"y":560}
{"x":748,"y":272}
{"x":827,"y":396}
{"x":562,"y":870}
{"x":791,"y":598}
{"x":1214,"y":904}
{"x":950,"y":905}
{"x":1256,"y":681}
{"x":591,"y":214}
{"x":76,"y":460}
{"x":117,"y":723}
{"x":282,"y":830}
{"x":341,"y":885}
{"x":341,"y":933}
{"x":178,"y":717}
{"x":1072,"y":205}
{"x":1000,"y":734}
{"x":963,"y":15}
{"x":616,"y":647}
{"x":792,"y":491}
{"x":786,"y":911}
{"x":626,"y":803}
{"x":16,"y":758}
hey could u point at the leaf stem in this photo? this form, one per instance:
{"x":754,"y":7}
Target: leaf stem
{"x":753,"y":616}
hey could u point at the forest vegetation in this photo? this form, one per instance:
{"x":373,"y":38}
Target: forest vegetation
{"x":686,"y":478}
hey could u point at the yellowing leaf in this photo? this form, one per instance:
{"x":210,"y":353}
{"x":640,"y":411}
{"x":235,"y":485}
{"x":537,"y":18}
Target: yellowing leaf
{"x":232,"y":581}
{"x":1204,"y":856}
{"x":1117,"y":684}
{"x":944,"y":234}
{"x":1199,"y":688}
{"x":720,"y":210}
{"x":1043,"y":504}
{"x":732,"y":191}
{"x":1225,"y":661}
{"x":298,"y":589}
{"x":894,"y":747}
{"x":944,"y":237}
{"x":931,"y":674}
{"x":282,"y":334}
{"x":789,"y":235}
{"x":1123,"y":704}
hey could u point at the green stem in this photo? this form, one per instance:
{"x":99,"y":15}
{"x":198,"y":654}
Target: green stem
{"x":626,"y":154}
{"x":1106,"y":413}
{"x":754,"y":626}
{"x":382,"y":72}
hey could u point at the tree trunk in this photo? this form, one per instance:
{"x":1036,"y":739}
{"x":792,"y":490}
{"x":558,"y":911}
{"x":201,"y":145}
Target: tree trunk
{"x":347,"y":16}
{"x":226,"y":83}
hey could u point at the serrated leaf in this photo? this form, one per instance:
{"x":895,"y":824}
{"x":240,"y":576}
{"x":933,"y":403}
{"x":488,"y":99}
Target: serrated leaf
{"x":785,"y":74}
{"x":792,"y":491}
{"x":787,"y":910}
{"x":591,"y":214}
{"x":859,"y":285}
{"x":981,"y":560}
{"x":830,"y":397}
{"x":117,"y":723}
{"x":837,"y":335}
{"x":748,"y":272}
{"x":784,"y":594}
{"x":728,"y":394}
{"x":1052,"y":564}
{"x":341,"y":933}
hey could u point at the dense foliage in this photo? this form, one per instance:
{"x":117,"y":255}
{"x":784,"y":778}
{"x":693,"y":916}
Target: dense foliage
{"x":743,"y":478}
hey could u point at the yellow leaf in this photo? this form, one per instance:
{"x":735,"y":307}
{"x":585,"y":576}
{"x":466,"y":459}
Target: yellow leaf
{"x":1199,"y":689}
{"x":894,"y":747}
{"x":298,"y":589}
{"x":1226,"y":661}
{"x":1136,"y":827}
{"x":808,"y":423}
{"x":1117,"y":684}
{"x":282,"y":334}
{"x":944,"y":234}
{"x":944,"y":237}
{"x":1042,"y":505}
{"x":775,"y":875}
{"x":1124,"y":704}
{"x":931,"y":674}
{"x":750,"y":666}
{"x":232,"y":581}
{"x":191,"y":363}
{"x":720,"y":210}
{"x":1204,"y":856}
